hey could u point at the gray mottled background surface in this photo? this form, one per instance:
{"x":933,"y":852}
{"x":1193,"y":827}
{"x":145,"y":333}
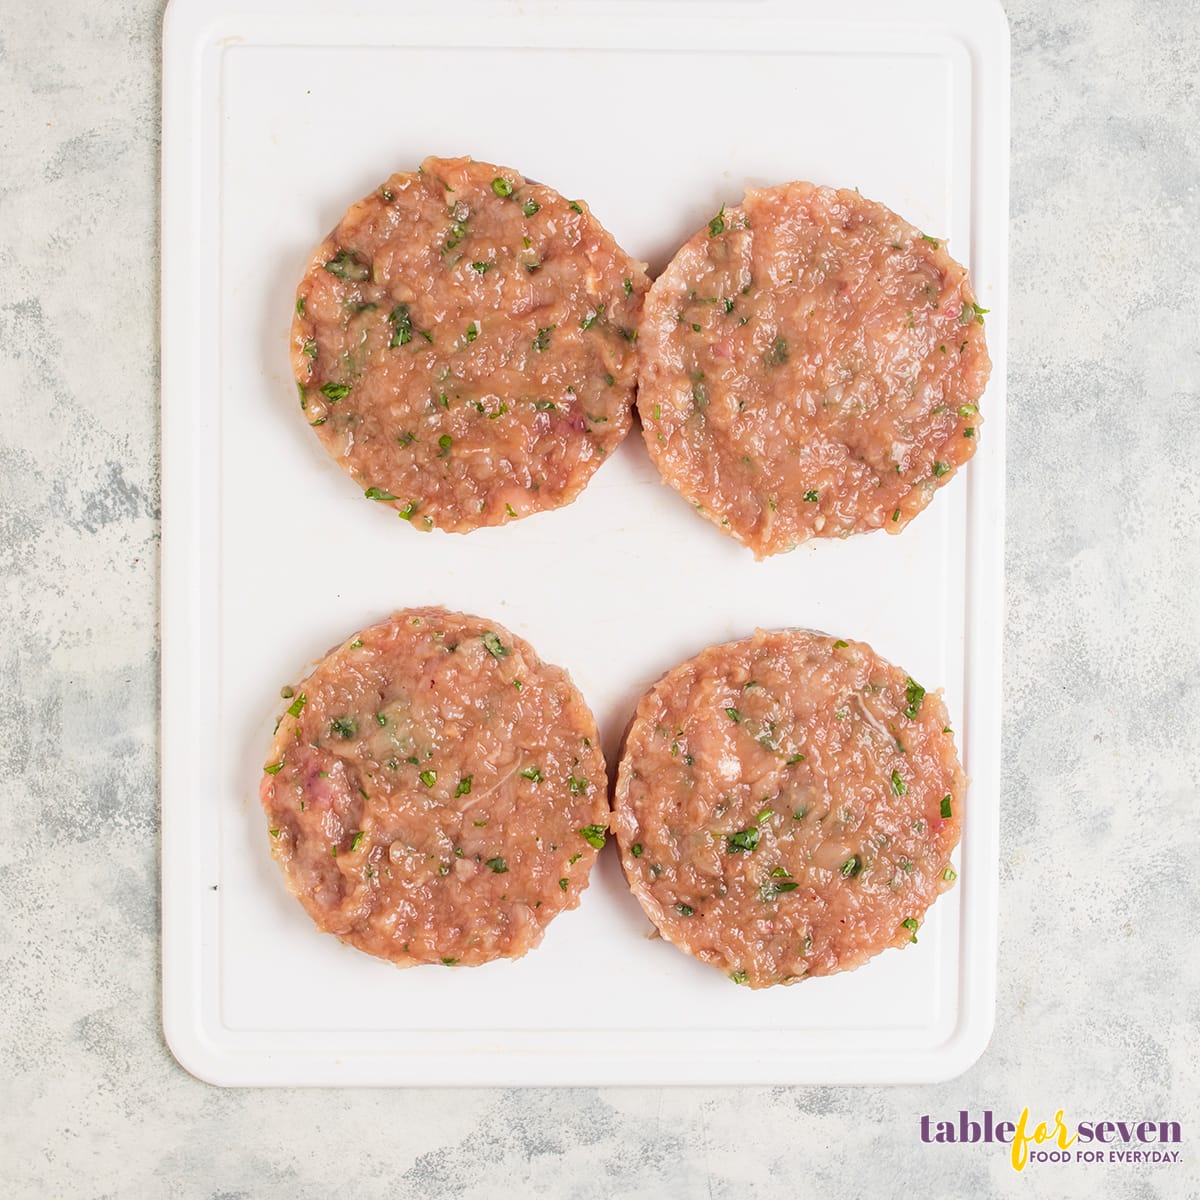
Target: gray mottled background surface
{"x":1098,"y":997}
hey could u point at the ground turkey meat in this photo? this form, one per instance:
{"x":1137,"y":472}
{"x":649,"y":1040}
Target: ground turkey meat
{"x":463,"y":343}
{"x":811,"y":366}
{"x":786,"y":806}
{"x":434,"y":792}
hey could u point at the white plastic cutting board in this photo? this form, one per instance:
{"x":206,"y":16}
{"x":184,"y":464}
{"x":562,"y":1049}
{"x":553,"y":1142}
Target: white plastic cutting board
{"x":278,"y":115}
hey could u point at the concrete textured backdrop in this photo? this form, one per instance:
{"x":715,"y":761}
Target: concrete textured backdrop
{"x":1099,"y":993}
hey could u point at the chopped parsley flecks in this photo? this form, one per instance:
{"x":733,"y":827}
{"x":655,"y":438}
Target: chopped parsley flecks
{"x":300,"y":307}
{"x":577,"y":787}
{"x":375,"y":493}
{"x":562,"y":883}
{"x":502,"y":187}
{"x":531,"y":207}
{"x":778,"y":353}
{"x":840,"y":645}
{"x":444,"y":444}
{"x":494,"y":646}
{"x":972,"y":314}
{"x":734,"y":715}
{"x":628,"y":285}
{"x":744,"y":841}
{"x":481,"y":268}
{"x":772,"y":889}
{"x":356,"y":841}
{"x":310,"y":349}
{"x":896,"y":515}
{"x":297,"y":705}
{"x":740,"y":977}
{"x":344,"y":727}
{"x":684,"y":910}
{"x":851,"y":867}
{"x":912,"y":925}
{"x":545,"y":405}
{"x":464,"y":786}
{"x":700,"y":395}
{"x":406,"y":513}
{"x":940,"y":469}
{"x":592,"y":317}
{"x":575,"y":206}
{"x":542,"y":341}
{"x":472,"y":331}
{"x":345,"y":265}
{"x":333,"y":392}
{"x":497,"y":866}
{"x":533,"y":774}
{"x":969,"y":431}
{"x":899,"y":787}
{"x":428,"y":778}
{"x":636,"y":849}
{"x":593,"y":835}
{"x":717,"y":225}
{"x":793,"y":759}
{"x":402,"y":329}
{"x":914,"y":693}
{"x":949,"y":874}
{"x":274,"y":768}
{"x":947,"y":807}
{"x":812,"y":496}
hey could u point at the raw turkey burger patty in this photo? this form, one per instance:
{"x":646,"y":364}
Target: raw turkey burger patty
{"x":463,"y":344}
{"x":435,"y":793}
{"x":811,"y":366}
{"x":786,"y":806}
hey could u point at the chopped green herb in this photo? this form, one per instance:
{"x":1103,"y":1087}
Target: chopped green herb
{"x":969,"y":431}
{"x":472,"y":331}
{"x":449,"y":962}
{"x":406,"y":513}
{"x":896,"y":515}
{"x":636,"y":849}
{"x":728,"y":305}
{"x":497,"y":865}
{"x":356,"y":841}
{"x":562,"y":883}
{"x":542,"y":341}
{"x":967,"y":410}
{"x":577,"y":787}
{"x":401,"y":326}
{"x":310,"y":349}
{"x":840,"y":645}
{"x":481,"y":267}
{"x":428,"y":778}
{"x":972,"y":314}
{"x":512,"y":512}
{"x":717,"y":224}
{"x":444,"y":444}
{"x":912,"y":925}
{"x":494,"y":646}
{"x":609,"y":378}
{"x":575,"y":206}
{"x":464,"y":786}
{"x":544,"y":405}
{"x":778,"y":353}
{"x":899,"y":787}
{"x":628,"y":287}
{"x":851,"y":866}
{"x":274,"y":768}
{"x":346,"y":266}
{"x":380,"y":720}
{"x":274,"y":832}
{"x":684,"y":910}
{"x":949,"y":874}
{"x":593,"y":835}
{"x":501,"y":186}
{"x":335,"y":391}
{"x":745,"y":840}
{"x":700,"y":395}
{"x":932,"y":241}
{"x":940,"y":469}
{"x":300,"y":307}
{"x":532,"y":773}
{"x":914,"y":693}
{"x":812,"y":496}
{"x":344,"y":727}
{"x":770,"y":890}
{"x":947,"y":809}
{"x":374,"y":493}
{"x":531,"y":206}
{"x":740,"y":977}
{"x":297,"y":706}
